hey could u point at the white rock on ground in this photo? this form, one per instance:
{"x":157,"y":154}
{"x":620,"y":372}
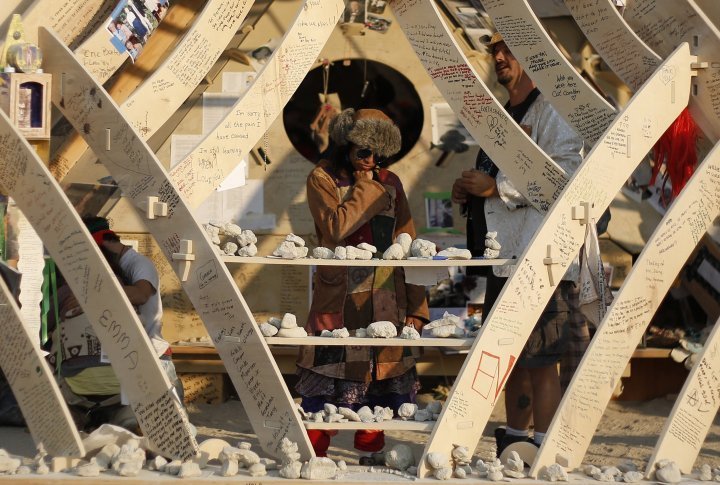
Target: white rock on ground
{"x":553,"y":473}
{"x":635,"y":476}
{"x":382,"y":329}
{"x":90,"y":469}
{"x":291,"y":470}
{"x":514,"y":462}
{"x":257,"y":470}
{"x":670,"y":473}
{"x":319,"y":468}
{"x":107,"y":455}
{"x":444,"y":473}
{"x":229,"y":468}
{"x":437,"y":460}
{"x":400,"y":457}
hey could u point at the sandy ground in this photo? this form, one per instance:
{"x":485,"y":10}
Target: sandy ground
{"x":628,"y":430}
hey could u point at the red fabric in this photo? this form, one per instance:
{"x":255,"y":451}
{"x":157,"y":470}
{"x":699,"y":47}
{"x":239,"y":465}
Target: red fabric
{"x":320,"y":441}
{"x":677,"y":149}
{"x":99,"y":236}
{"x":369,"y":440}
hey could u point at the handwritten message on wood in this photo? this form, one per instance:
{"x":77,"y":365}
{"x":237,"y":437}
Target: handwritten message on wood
{"x":24,"y":176}
{"x":584,"y":403}
{"x":627,"y":55}
{"x":527,"y":291}
{"x":569,"y":93}
{"x":210,"y":287}
{"x":663,"y":26}
{"x":233,"y":138}
{"x":33,"y":385}
{"x":535,"y":174}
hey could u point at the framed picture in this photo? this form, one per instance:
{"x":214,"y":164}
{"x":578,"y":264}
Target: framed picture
{"x":354,"y":12}
{"x":438,"y":210}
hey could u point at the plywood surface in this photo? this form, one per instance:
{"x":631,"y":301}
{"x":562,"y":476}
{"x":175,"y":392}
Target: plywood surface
{"x":419,"y":263}
{"x":24,"y":176}
{"x":526,"y":293}
{"x":373,"y":342}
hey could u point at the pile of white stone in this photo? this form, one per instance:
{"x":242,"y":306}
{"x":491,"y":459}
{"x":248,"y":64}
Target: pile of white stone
{"x":293,"y":247}
{"x":318,"y":468}
{"x":229,"y":239}
{"x":282,"y":327}
{"x":406,"y":412}
{"x":232,"y":459}
{"x":404,"y":247}
{"x":10,"y":465}
{"x":492,"y":247}
{"x":386,"y":329}
{"x":448,"y":326}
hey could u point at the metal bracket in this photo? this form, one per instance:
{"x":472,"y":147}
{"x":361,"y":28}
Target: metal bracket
{"x":155,"y":208}
{"x":549,"y":261}
{"x":185,"y":257}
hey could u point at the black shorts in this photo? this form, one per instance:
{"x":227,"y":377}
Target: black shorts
{"x":549,"y":338}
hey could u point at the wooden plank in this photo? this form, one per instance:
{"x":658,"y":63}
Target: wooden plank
{"x":535,"y":174}
{"x":403,"y":263}
{"x":584,"y":403}
{"x":391,"y":425}
{"x":204,"y":277}
{"x":161,"y":93}
{"x":695,"y":408}
{"x":24,"y":176}
{"x":711,"y":8}
{"x":568,"y":92}
{"x":372,"y":342}
{"x":665,"y":24}
{"x":631,"y":59}
{"x":526,"y":293}
{"x":33,"y":384}
{"x":252,"y":115}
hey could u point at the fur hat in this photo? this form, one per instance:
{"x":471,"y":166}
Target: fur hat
{"x":367,"y":128}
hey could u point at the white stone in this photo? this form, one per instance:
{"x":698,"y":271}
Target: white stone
{"x":481,"y":467}
{"x":288,"y":321}
{"x":248,"y":251}
{"x":275,"y":322}
{"x":335,"y":418}
{"x":326,"y":334}
{"x":670,"y":473}
{"x":423,"y":415}
{"x":318,"y":417}
{"x":366,"y":415}
{"x":291,"y":470}
{"x":229,"y":468}
{"x":635,"y":476}
{"x":491,"y":253}
{"x":627,"y":466}
{"x":285,"y":250}
{"x":356,"y":253}
{"x":492,"y":244}
{"x":8,"y":465}
{"x":349,"y":414}
{"x":604,"y":477}
{"x":444,"y":473}
{"x":434,"y":407}
{"x":340,"y":252}
{"x":382,"y":329}
{"x":90,"y":469}
{"x":361,"y":333}
{"x":323,"y":253}
{"x":232,"y":230}
{"x":491,"y":235}
{"x":244,"y":457}
{"x":611,"y":470}
{"x":244,"y":445}
{"x":437,"y":460}
{"x":514,"y":462}
{"x":319,"y":468}
{"x":173,"y":468}
{"x":447,"y":326}
{"x":405,"y":241}
{"x":513,"y":473}
{"x":257,"y":470}
{"x":554,"y":473}
{"x":189,"y":469}
{"x":412,"y":471}
{"x":23,"y":470}
{"x":422,"y":248}
{"x":132,"y":468}
{"x":387,"y":413}
{"x":590,"y":470}
{"x":407,"y":410}
{"x":400,"y":457}
{"x":297,"y":332}
{"x":269,"y":463}
{"x":409,"y":333}
{"x":495,"y":475}
{"x":342,"y":466}
{"x":246,"y":238}
{"x":461,"y":454}
{"x":296,"y":240}
{"x":340,"y":333}
{"x":705,"y":473}
{"x":301,"y":252}
{"x":107,"y":455}
{"x":367,"y":247}
{"x":213,"y":233}
{"x":268,"y":330}
{"x":460,"y":472}
{"x":455,"y":253}
{"x":158,"y":463}
{"x":230,"y":248}
{"x":330,"y":408}
{"x":395,"y":251}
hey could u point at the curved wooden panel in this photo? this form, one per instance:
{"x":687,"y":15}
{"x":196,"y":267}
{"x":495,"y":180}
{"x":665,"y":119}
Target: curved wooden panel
{"x":617,"y":336}
{"x":24,"y":176}
{"x":627,"y":55}
{"x":535,"y":174}
{"x":162,"y":93}
{"x":562,"y":85}
{"x":219,"y":152}
{"x":665,"y":24}
{"x":33,"y":384}
{"x":207,"y":281}
{"x":711,"y":9}
{"x":525,"y":295}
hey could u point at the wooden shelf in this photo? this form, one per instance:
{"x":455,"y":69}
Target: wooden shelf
{"x":427,"y":263}
{"x":465,"y":343}
{"x":391,"y":425}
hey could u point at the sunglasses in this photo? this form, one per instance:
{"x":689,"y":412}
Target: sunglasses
{"x":363,"y":153}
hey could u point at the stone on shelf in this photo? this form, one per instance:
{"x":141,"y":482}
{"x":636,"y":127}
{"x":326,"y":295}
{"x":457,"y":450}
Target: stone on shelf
{"x":383,"y":329}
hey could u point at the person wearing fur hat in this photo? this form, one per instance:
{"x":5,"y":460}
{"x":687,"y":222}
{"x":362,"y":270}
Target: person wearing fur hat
{"x":354,"y":200}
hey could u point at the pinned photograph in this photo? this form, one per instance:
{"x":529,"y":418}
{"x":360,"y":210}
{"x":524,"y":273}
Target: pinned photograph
{"x":354,"y":12}
{"x":132,"y":21}
{"x":378,"y":24}
{"x":377,"y":6}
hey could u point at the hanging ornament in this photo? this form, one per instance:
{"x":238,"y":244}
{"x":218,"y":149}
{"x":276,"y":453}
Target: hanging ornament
{"x":676,"y":149}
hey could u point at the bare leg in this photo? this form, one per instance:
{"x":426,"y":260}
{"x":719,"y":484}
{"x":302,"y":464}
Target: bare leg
{"x":546,"y":391}
{"x":519,"y":399}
